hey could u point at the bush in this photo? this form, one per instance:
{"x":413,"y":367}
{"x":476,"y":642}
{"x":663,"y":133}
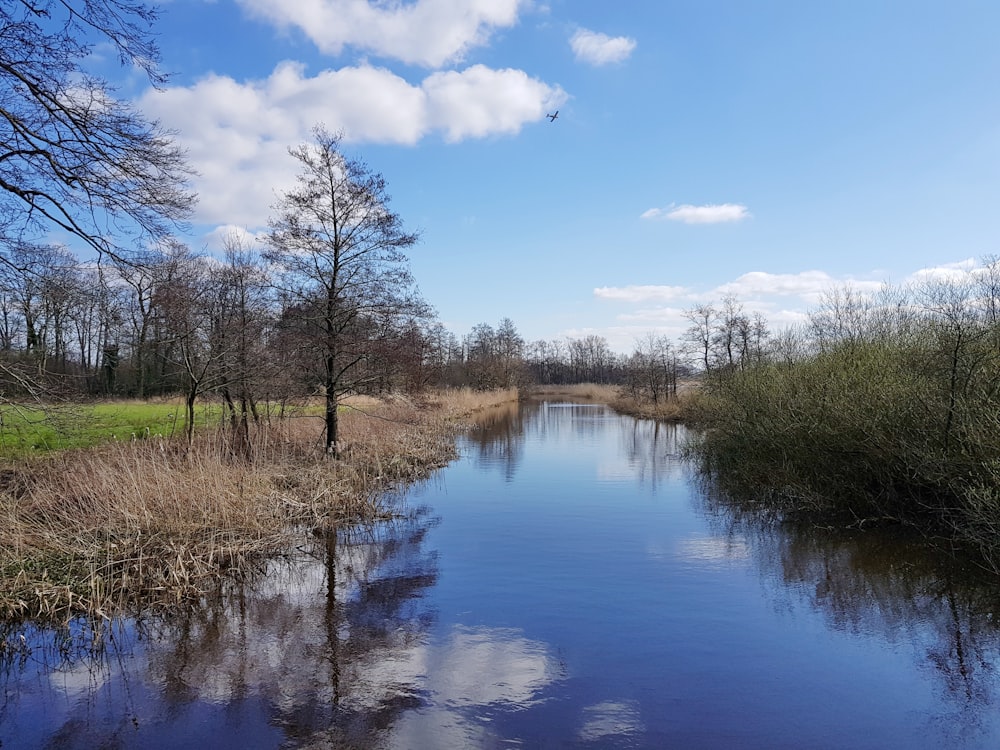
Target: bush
{"x":894,"y":423}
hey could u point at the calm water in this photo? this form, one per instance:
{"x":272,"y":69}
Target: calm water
{"x":565,"y":584}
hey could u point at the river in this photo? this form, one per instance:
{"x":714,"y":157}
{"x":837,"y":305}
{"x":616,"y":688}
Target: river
{"x":567,"y":583}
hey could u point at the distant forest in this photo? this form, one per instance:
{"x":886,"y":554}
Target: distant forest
{"x":178,"y":322}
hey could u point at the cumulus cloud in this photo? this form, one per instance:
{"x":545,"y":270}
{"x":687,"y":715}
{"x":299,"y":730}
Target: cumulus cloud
{"x":946,"y":271}
{"x":480,"y":101}
{"x":600,"y":49}
{"x":228,"y":235}
{"x":640,"y":292}
{"x":753,"y":286}
{"x":710,"y":214}
{"x":808,"y":285}
{"x":652,"y":316}
{"x":237,"y":134}
{"x":426,"y":32}
{"x":783,"y":298}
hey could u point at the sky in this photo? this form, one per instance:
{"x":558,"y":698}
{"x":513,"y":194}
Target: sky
{"x":774,"y":150}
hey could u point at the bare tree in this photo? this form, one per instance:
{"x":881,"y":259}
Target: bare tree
{"x":548,"y":361}
{"x":652,"y":369}
{"x":72,"y":156}
{"x":339,"y":250}
{"x":136,"y":283}
{"x":183,"y":298}
{"x":241,"y":321}
{"x":698,"y":337}
{"x":957,"y":326}
{"x":730,"y":326}
{"x":988,"y":288}
{"x":510,"y":353}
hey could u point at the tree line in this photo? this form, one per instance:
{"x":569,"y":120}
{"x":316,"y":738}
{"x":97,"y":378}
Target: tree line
{"x":325,"y":306}
{"x":883,"y":408}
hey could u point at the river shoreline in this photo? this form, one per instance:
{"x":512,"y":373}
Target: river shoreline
{"x":119,"y":528}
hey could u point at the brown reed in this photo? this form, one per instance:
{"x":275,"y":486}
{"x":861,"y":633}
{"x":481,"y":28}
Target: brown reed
{"x":152,"y":523}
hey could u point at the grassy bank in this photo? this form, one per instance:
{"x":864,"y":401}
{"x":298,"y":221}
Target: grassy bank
{"x":123,"y":526}
{"x":30,"y":430}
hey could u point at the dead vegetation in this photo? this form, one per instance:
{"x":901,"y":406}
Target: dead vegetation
{"x":665,"y":410}
{"x":154,"y":522}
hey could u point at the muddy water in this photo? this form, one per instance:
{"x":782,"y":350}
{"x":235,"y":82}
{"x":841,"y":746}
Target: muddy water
{"x":567,"y":583}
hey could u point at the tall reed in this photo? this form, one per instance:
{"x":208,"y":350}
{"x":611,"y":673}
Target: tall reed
{"x":155,"y":522}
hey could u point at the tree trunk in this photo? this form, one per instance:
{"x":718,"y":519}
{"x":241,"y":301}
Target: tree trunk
{"x":331,"y":411}
{"x":189,"y":414}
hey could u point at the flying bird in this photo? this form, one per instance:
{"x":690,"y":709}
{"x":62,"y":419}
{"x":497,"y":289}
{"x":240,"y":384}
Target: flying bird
{"x":552,"y":118}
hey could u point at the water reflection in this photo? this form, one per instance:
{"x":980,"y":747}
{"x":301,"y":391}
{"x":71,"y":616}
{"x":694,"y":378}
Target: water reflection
{"x":712,"y":552}
{"x":611,"y":720}
{"x":652,"y":451}
{"x":498,"y":438}
{"x":597,"y":600}
{"x":473,"y":674}
{"x":330,"y":648}
{"x":291,"y":652}
{"x":648,"y":451}
{"x":880,"y":584}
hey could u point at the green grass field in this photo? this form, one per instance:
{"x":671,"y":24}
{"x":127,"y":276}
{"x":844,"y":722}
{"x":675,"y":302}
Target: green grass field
{"x":32,"y":430}
{"x":59,"y":427}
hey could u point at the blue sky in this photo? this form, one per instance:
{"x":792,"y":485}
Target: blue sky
{"x":770,"y":149}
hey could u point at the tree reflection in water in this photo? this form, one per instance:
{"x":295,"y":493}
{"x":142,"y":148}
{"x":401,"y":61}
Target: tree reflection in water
{"x":498,"y":438}
{"x":330,"y":647}
{"x":296,"y":647}
{"x":884,"y":582}
{"x":649,"y":451}
{"x":338,"y":644}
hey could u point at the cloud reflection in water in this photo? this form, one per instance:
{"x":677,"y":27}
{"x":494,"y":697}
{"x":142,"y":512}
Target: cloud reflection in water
{"x":473,"y":673}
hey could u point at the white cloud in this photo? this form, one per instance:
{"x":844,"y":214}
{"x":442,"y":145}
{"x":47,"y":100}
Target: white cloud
{"x":217,"y":239}
{"x":480,"y":101}
{"x":658,"y":317}
{"x":641,"y":293}
{"x":946,"y":271}
{"x":710,"y":214}
{"x":807,"y":285}
{"x":600,"y":49}
{"x":784,"y":299}
{"x":237,"y":134}
{"x":426,"y":32}
{"x":752,"y":287}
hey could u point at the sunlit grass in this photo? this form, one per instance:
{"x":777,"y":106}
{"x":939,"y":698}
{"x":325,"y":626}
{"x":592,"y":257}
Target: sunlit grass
{"x":63,"y":426}
{"x":27,"y":430}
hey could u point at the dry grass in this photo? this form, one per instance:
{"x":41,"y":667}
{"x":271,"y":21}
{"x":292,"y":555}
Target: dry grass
{"x":126,"y":526}
{"x":458,"y":403}
{"x":673,"y":410}
{"x":604,"y":394}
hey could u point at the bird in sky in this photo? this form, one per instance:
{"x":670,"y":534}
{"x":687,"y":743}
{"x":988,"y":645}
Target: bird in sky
{"x":552,"y":118}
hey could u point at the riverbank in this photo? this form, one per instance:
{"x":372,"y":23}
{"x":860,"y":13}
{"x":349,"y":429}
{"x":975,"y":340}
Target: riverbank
{"x":893,"y":430}
{"x":668,"y":410}
{"x":852,"y":438}
{"x":155,"y":522}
